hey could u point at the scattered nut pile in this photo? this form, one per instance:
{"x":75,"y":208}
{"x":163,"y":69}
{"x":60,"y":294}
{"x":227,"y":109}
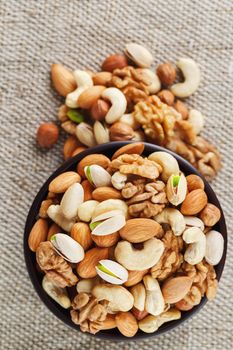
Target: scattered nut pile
{"x":129,"y":101}
{"x":133,"y":236}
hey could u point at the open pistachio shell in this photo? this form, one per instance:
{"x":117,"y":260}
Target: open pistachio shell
{"x":102,"y":225}
{"x":67,"y":247}
{"x":56,"y":293}
{"x":193,"y":221}
{"x":176,"y":188}
{"x":112,"y":272}
{"x":139,"y":54}
{"x":97,"y":175}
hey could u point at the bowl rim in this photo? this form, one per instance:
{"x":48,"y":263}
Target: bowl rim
{"x":33,"y":212}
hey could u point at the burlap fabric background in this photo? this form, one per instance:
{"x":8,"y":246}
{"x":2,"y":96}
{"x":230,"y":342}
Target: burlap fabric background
{"x":34,"y":34}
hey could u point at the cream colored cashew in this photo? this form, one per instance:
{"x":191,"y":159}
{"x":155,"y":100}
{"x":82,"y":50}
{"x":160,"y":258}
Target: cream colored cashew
{"x":85,"y":134}
{"x":154,"y":304}
{"x":56,"y":293}
{"x":55,"y":213}
{"x":197,"y":245}
{"x":84,"y":81}
{"x":192,"y":77}
{"x":118,"y":180}
{"x":86,"y":210}
{"x":196,"y":118}
{"x":101,"y":133}
{"x":87,"y":284}
{"x":168,"y":163}
{"x":120,"y":299}
{"x":109,"y":205}
{"x":139,"y":293}
{"x":138,"y":260}
{"x":174,"y":218}
{"x":118,"y":101}
{"x":150,"y":323}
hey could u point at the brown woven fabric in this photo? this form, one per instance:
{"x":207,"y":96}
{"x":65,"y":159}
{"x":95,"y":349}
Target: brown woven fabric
{"x":34,"y":34}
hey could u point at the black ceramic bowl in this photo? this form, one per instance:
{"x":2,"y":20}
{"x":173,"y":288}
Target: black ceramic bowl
{"x":36,"y":277}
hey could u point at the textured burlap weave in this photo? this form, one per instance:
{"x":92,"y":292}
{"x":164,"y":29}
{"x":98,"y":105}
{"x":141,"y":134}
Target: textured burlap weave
{"x":34,"y":34}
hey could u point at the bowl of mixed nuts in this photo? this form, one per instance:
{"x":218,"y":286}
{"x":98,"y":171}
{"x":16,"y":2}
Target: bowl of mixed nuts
{"x":125,"y":240}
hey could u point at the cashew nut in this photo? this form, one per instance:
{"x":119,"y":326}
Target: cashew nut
{"x":119,"y":180}
{"x":168,"y":163}
{"x":154,"y":304}
{"x":101,"y":133}
{"x":56,"y":293}
{"x":84,"y":81}
{"x":139,"y":293}
{"x":151,"y":323}
{"x":196,"y":118}
{"x":192,"y":76}
{"x":86,"y":285}
{"x":86,"y":209}
{"x":138,"y":260}
{"x":118,"y":101}
{"x":174,"y":218}
{"x":120,"y":299}
{"x":55,"y":213}
{"x":197,"y":245}
{"x":109,"y":205}
{"x":84,"y":133}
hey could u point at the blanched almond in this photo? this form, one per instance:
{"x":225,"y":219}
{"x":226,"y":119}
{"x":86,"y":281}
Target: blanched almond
{"x":102,"y":193}
{"x":95,"y":158}
{"x":140,"y":230}
{"x":63,"y":181}
{"x":176,"y":288}
{"x":38,"y":234}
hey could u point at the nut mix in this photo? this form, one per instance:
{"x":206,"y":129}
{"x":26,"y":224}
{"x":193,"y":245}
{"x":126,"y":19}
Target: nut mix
{"x":138,"y":243}
{"x":127,"y":100}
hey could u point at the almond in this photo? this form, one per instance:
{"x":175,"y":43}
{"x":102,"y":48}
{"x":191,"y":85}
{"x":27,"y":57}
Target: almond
{"x":126,"y":323}
{"x":194,"y":182}
{"x":139,"y":315}
{"x":114,"y":62}
{"x":78,"y":150}
{"x":107,"y":240}
{"x":63,"y":80}
{"x":102,"y":193}
{"x":90,"y":96}
{"x":176,"y":288}
{"x":44,"y":207}
{"x":70,"y":145}
{"x":140,"y":230}
{"x":88,"y":189}
{"x":102,"y":78}
{"x":81,"y":233}
{"x":95,"y":158}
{"x":194,"y":202}
{"x":64,"y":181}
{"x":86,"y":268}
{"x":183,"y":305}
{"x":38,"y":234}
{"x":134,"y":277}
{"x":53,"y":230}
{"x":131,"y":148}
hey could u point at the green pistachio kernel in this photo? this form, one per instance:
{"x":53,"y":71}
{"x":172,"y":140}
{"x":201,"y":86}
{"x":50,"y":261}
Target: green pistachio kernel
{"x":175,"y":180}
{"x":93,"y":225}
{"x":75,"y":116}
{"x":105,"y":270}
{"x":88,"y":174}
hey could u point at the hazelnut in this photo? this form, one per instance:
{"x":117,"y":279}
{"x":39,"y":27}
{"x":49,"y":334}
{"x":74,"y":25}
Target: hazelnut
{"x":167,"y":97}
{"x":120,"y":132}
{"x":47,"y":135}
{"x":210,"y":215}
{"x":182,"y":109}
{"x":113,"y":62}
{"x":194,"y":182}
{"x":166,"y":73}
{"x":99,"y":109}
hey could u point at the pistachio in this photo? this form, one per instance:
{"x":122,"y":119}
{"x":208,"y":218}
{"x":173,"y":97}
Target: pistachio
{"x":97,"y":175}
{"x":67,"y":247}
{"x":84,"y":133}
{"x":56,"y":293}
{"x":214,"y":247}
{"x":101,"y":133}
{"x":112,"y":272}
{"x":176,"y":188}
{"x":193,"y":221}
{"x":139,"y":54}
{"x":107,"y":223}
